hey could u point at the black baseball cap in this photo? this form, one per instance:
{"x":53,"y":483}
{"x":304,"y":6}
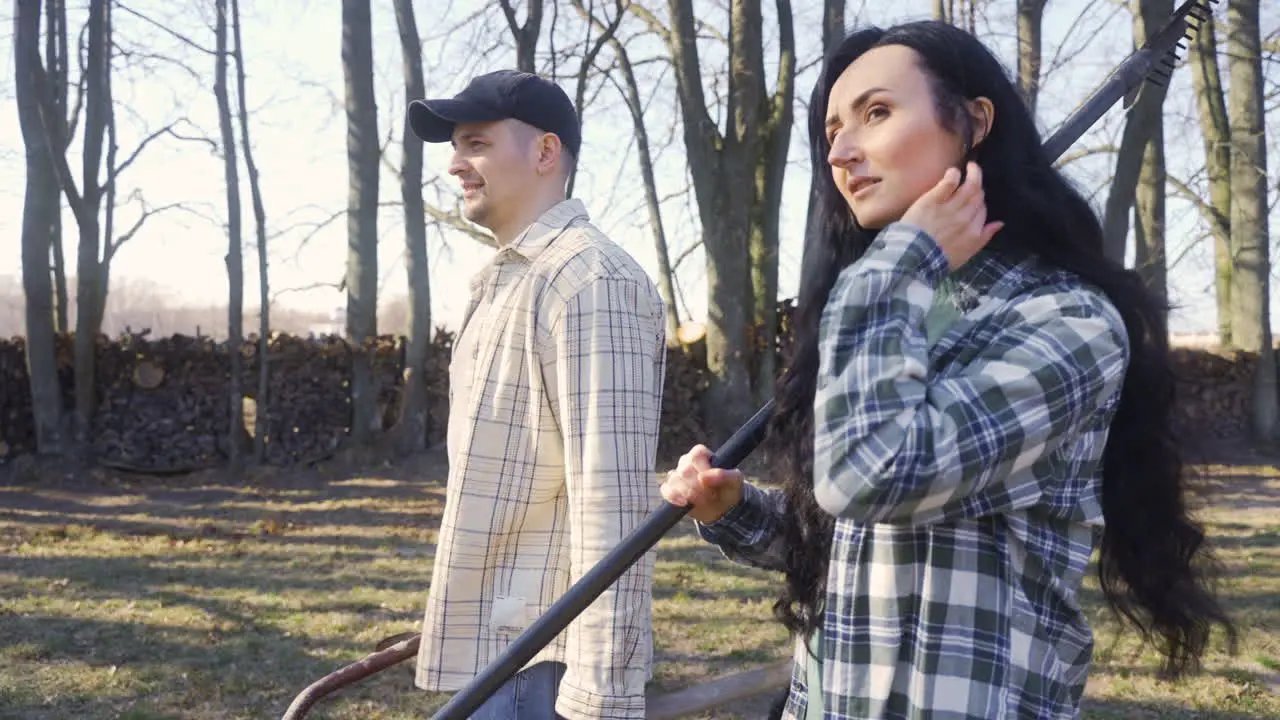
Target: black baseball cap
{"x":498,"y":96}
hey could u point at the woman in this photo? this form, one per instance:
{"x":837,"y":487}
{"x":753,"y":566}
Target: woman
{"x":976,"y":396}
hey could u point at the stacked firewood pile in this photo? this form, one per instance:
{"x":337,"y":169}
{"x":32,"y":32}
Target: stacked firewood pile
{"x":1215,"y":391}
{"x":163,"y":403}
{"x":17,"y":432}
{"x":682,"y":426}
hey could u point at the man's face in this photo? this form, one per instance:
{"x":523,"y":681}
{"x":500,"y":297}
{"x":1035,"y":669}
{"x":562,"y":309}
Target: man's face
{"x":496,"y":164}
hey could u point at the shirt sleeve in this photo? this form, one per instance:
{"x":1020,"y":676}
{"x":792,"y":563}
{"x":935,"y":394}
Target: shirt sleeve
{"x":751,"y":532}
{"x":609,"y":345}
{"x":897,"y":443}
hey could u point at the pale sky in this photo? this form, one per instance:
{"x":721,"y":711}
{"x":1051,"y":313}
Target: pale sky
{"x":295,"y":89}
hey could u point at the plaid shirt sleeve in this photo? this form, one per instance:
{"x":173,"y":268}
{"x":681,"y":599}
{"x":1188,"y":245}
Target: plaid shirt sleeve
{"x":897,"y":443}
{"x":750,"y":533}
{"x":609,"y":352}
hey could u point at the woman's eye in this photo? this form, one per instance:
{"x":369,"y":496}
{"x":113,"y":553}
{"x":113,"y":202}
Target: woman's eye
{"x":877,"y":112}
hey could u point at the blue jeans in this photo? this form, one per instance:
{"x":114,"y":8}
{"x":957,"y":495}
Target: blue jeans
{"x":529,"y":695}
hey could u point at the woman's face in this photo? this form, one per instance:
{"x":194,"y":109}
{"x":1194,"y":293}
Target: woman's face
{"x":887,"y":147}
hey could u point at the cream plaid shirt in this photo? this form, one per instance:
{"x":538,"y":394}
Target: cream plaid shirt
{"x":555,"y":391}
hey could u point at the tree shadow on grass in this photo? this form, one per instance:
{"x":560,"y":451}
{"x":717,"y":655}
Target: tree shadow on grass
{"x":1128,"y":710}
{"x":254,"y":670}
{"x":128,"y":577}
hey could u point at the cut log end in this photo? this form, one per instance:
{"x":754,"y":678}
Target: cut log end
{"x":690,"y":333}
{"x":147,"y":375}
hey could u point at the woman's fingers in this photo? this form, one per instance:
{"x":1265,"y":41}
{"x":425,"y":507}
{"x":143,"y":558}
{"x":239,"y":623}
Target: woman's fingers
{"x":989,"y":231}
{"x":674,"y":491}
{"x":687,"y":486}
{"x":716,"y":478}
{"x":699,"y":456}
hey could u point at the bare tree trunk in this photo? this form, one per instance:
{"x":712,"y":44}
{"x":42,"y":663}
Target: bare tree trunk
{"x":262,"y":401}
{"x":61,"y":307}
{"x":728,"y":209}
{"x":666,"y":280}
{"x":728,"y":400}
{"x":363,"y":155}
{"x":635,"y":106}
{"x":411,"y":426}
{"x":103,"y":272}
{"x":1149,"y":219}
{"x":777,"y":120}
{"x":234,"y":259}
{"x":1030,"y":17}
{"x":56,"y":74}
{"x":526,"y":36}
{"x":940,"y":11}
{"x":1139,"y":127}
{"x":607,"y":34}
{"x":62,"y":300}
{"x":1250,"y":291}
{"x":39,"y":230}
{"x":86,"y":205}
{"x":1207,"y":83}
{"x":833,"y":12}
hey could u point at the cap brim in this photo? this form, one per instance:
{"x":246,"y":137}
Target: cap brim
{"x":434,"y":120}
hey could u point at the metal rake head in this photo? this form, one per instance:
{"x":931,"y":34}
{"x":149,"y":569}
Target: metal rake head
{"x":1182,"y":26}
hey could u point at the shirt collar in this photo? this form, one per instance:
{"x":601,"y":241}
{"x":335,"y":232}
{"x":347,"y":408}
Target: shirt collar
{"x":535,"y":238}
{"x":546,"y":228}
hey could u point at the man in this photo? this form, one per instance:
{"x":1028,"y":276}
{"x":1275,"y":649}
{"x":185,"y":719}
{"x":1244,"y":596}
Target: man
{"x":555,"y":393}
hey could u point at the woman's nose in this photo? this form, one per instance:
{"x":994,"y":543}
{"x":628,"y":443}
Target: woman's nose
{"x":845,"y":150}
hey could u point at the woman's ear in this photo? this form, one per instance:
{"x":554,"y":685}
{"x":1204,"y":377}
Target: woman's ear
{"x":984,"y":115}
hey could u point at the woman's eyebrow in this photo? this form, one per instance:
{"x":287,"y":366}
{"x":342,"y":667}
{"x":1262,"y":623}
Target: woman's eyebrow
{"x":857,"y":103}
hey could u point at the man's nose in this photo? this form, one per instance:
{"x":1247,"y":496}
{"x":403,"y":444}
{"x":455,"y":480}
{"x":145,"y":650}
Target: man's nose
{"x":456,"y":165}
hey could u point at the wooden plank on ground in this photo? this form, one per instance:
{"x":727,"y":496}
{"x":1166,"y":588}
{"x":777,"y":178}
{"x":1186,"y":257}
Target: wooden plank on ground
{"x":718,"y":692}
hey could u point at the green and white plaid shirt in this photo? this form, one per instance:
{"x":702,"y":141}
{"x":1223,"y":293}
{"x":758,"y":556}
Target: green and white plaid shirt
{"x":965,"y":476}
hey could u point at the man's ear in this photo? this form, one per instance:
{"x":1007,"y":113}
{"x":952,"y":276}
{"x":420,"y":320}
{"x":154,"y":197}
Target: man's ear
{"x":984,"y":115}
{"x":549,"y":152}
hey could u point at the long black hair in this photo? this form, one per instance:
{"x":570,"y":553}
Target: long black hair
{"x":1153,"y":567}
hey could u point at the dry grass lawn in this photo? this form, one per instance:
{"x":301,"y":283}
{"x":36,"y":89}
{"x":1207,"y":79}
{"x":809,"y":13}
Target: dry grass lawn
{"x":149,"y":599}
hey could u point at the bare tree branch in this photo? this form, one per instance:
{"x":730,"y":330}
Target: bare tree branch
{"x":1059,"y":58}
{"x":306,"y":288}
{"x":651,"y":20}
{"x":136,"y":54}
{"x":1207,"y":211}
{"x":317,"y":227}
{"x":454,"y":220}
{"x":167,"y":30}
{"x":1068,"y":158}
{"x":72,"y":120}
{"x":110,"y":247}
{"x":686,"y":253}
{"x":113,"y":174}
{"x":1187,"y":250}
